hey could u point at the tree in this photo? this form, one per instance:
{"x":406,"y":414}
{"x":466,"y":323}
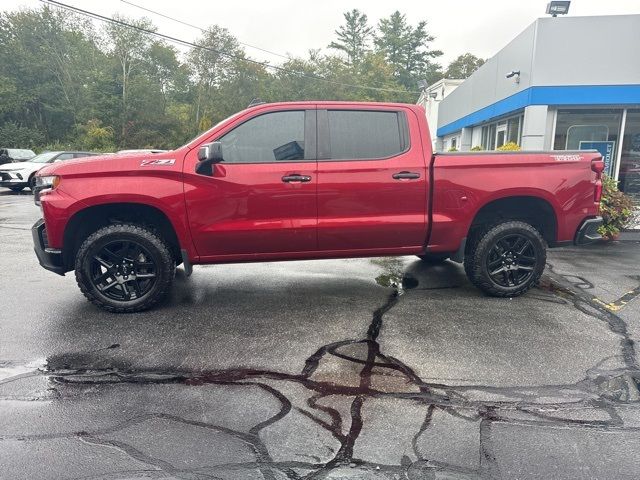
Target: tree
{"x":463,"y":66}
{"x":353,"y":36}
{"x":406,"y":49}
{"x":212,"y":62}
{"x":45,"y":57}
{"x":128,"y":45}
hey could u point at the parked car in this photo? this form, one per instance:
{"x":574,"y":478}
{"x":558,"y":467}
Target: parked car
{"x":16,"y":176}
{"x":310,"y":180}
{"x":9,"y":155}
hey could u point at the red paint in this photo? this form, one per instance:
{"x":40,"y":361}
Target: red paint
{"x":245,"y":212}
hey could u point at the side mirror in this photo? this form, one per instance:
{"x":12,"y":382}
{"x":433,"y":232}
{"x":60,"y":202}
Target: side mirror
{"x":208,"y":155}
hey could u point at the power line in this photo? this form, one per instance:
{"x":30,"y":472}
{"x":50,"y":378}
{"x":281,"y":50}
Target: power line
{"x":179,"y":41}
{"x":182,"y":22}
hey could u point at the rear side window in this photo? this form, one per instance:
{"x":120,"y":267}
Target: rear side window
{"x":272,"y":137}
{"x":363,"y":135}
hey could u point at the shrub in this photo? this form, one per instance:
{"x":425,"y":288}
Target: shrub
{"x":452,"y":149}
{"x":477,"y":148}
{"x":616,"y":209}
{"x":509,"y":147}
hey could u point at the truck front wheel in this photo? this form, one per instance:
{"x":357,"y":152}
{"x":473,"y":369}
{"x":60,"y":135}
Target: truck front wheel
{"x":124,"y":268}
{"x":507,"y":259}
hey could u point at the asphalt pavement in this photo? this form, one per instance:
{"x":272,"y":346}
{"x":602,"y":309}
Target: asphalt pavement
{"x":381,"y":368}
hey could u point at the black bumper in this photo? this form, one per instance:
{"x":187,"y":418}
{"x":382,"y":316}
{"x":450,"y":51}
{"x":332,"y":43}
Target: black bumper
{"x":49,"y":258}
{"x":588,"y":231}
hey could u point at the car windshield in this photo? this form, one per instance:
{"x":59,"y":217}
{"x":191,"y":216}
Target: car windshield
{"x":20,"y":154}
{"x":44,"y":157}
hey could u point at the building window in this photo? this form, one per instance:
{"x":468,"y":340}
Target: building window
{"x":629,"y":174}
{"x":576,"y":127}
{"x":514,"y":129}
{"x":496,"y":134}
{"x":454,"y":143}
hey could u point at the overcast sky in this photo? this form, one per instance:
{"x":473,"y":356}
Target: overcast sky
{"x":481,"y":27}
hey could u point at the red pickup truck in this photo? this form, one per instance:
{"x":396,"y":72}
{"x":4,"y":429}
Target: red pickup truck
{"x":310,"y":180}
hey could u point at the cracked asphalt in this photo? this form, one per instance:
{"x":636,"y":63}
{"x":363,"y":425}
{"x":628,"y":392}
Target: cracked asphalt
{"x":341,"y":369}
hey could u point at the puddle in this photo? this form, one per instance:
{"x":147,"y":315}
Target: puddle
{"x":9,"y":370}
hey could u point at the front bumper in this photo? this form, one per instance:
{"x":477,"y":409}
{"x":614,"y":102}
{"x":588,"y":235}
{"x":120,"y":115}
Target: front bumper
{"x":14,"y":182}
{"x":588,"y":231}
{"x":49,"y":258}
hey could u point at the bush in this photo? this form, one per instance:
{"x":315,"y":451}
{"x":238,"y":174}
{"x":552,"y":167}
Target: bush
{"x":477,"y":148}
{"x":452,"y":149}
{"x":509,"y":147}
{"x":14,"y":136}
{"x":616,"y":209}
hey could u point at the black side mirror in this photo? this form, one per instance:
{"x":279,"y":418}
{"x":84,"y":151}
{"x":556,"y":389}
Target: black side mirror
{"x":208,"y":155}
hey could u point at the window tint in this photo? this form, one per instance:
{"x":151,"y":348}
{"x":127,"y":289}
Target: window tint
{"x":366,"y":134}
{"x":64,"y":156}
{"x":272,"y":137}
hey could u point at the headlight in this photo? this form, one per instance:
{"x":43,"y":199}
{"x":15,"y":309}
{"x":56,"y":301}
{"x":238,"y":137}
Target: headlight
{"x":51,"y":181}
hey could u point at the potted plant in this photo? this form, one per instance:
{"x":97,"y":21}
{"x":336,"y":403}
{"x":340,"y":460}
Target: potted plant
{"x":509,"y":147}
{"x":616,"y":209}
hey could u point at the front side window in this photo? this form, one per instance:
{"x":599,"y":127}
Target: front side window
{"x":271,"y":137}
{"x":363,"y":135}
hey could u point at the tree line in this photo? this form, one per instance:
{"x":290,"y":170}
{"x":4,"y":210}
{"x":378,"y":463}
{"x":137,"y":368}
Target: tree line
{"x":66,"y":82}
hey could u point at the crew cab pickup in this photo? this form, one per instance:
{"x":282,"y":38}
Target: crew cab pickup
{"x":310,"y":180}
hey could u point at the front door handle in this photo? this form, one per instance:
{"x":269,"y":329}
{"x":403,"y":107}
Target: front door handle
{"x":296,"y":178}
{"x":405,"y":175}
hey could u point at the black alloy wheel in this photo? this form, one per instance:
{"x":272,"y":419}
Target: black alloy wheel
{"x":512,"y":261}
{"x":123,"y":270}
{"x":506,"y":259}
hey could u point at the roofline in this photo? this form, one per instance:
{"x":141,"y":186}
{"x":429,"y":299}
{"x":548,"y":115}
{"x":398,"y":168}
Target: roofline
{"x":552,"y":95}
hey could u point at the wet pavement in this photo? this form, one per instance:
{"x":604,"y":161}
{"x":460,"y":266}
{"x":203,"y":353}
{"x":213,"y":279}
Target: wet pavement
{"x":342,"y":369}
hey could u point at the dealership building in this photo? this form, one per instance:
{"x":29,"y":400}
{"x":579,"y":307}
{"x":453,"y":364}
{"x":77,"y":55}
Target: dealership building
{"x":563,"y":83}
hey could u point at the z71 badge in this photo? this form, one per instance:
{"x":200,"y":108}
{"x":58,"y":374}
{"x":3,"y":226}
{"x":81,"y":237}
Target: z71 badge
{"x":157,"y":161}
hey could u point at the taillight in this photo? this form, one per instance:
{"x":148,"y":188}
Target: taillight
{"x":598,"y":167}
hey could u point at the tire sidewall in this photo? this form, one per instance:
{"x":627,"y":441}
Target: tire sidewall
{"x":489,"y":241}
{"x":83,"y":266}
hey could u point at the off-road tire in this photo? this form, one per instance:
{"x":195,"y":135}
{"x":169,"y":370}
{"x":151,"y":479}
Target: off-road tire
{"x":434,"y":258}
{"x":480,"y":246}
{"x":151,"y":241}
{"x":32,"y":183}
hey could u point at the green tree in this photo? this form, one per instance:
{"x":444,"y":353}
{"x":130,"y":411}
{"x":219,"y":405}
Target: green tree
{"x":353,"y":36}
{"x":463,"y":66}
{"x":212,"y":63}
{"x":45,"y":57}
{"x":129,"y":47}
{"x":407,"y":50}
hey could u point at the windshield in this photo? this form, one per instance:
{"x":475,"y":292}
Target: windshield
{"x":44,"y":157}
{"x":20,"y":154}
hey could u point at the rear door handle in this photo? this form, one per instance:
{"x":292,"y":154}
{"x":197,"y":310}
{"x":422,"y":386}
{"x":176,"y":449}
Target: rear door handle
{"x":405,"y":175}
{"x":296,"y":178}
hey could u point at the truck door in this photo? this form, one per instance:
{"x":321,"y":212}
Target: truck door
{"x":372,"y":180}
{"x":261,"y":199}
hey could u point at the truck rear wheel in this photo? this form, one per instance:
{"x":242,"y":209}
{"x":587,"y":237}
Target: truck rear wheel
{"x":124,"y":268}
{"x":507,"y":259}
